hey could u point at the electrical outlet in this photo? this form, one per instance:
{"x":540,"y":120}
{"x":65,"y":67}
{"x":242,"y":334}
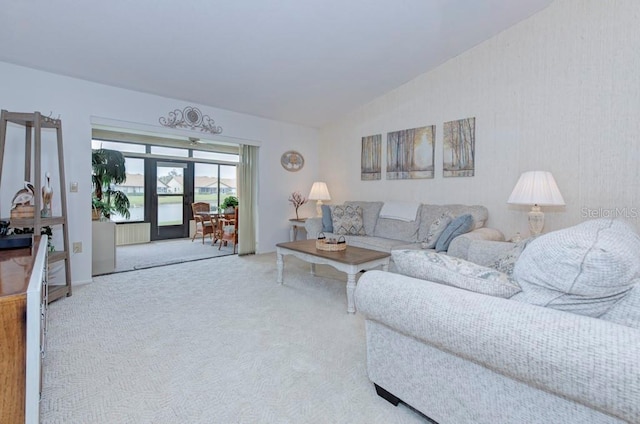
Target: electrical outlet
{"x":74,"y":187}
{"x":77,"y":247}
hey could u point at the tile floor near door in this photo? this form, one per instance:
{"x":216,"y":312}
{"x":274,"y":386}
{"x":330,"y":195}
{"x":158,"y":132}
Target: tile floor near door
{"x":165,"y":252}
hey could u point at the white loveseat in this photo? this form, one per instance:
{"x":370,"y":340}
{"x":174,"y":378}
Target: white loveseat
{"x":564,"y":349}
{"x":386,"y":234}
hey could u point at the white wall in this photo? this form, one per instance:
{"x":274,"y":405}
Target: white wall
{"x":558,"y":92}
{"x":77,"y":101}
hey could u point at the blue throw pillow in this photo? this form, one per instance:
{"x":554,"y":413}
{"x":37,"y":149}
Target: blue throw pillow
{"x":327,"y":222}
{"x":461,"y":225}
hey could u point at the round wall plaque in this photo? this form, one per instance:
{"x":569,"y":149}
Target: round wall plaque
{"x":292,"y":161}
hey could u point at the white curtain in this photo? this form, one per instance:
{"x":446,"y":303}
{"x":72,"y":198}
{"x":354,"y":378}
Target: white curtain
{"x":248,"y":199}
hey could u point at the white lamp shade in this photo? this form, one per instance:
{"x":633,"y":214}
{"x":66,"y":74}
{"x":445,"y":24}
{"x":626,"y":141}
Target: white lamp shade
{"x":536,"y":188}
{"x":319,"y":191}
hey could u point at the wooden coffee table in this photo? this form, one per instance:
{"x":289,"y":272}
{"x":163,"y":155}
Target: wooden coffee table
{"x":352,"y":260}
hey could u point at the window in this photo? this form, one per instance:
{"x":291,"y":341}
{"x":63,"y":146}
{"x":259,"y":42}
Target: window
{"x":214,"y":175}
{"x":133,"y":187}
{"x":169,"y":151}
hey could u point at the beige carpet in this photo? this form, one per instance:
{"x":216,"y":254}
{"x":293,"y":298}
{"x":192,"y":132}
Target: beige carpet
{"x":211,"y":341}
{"x":166,"y":252}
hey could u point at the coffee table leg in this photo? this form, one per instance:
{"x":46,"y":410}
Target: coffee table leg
{"x":280,"y":265}
{"x":351,"y":288}
{"x":313,"y":269}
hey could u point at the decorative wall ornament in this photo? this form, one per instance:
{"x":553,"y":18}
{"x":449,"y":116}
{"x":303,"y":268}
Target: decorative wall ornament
{"x":292,"y":161}
{"x":371,"y":158}
{"x":410,"y":153}
{"x":459,"y":148}
{"x":190,"y":117}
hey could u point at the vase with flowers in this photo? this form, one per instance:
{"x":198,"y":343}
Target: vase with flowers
{"x":297,"y":200}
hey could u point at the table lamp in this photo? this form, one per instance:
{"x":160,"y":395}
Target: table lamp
{"x":536,"y":188}
{"x":319,"y":192}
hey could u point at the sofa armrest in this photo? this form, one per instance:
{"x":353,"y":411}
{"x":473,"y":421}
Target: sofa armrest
{"x":313,"y":226}
{"x":485,"y":252}
{"x":588,"y":360}
{"x":459,"y":246}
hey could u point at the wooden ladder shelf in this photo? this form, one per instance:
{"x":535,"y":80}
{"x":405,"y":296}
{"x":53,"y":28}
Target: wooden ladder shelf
{"x":33,"y":124}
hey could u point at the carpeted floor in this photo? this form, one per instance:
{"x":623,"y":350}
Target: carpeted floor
{"x":166,"y":252}
{"x":211,"y":341}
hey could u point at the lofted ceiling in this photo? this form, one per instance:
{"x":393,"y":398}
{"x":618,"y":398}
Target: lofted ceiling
{"x":301,"y":61}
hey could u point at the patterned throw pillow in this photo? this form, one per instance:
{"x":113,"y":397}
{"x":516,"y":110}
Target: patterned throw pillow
{"x":506,"y":261}
{"x":435,"y":230}
{"x":456,"y":272}
{"x":347,"y":220}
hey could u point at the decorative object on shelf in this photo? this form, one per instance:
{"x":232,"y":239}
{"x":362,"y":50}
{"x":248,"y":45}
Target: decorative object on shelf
{"x":47,"y":195}
{"x":297,"y":200}
{"x":22,"y":203}
{"x":371,"y":158}
{"x":190,"y":117}
{"x":458,"y":148}
{"x":410,"y":153}
{"x":537,"y":188}
{"x":24,"y":196}
{"x":331,"y":244}
{"x":292,"y":161}
{"x":319,"y":192}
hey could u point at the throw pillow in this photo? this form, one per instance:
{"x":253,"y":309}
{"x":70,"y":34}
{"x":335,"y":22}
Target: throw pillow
{"x":436,"y":228}
{"x":461,"y":225}
{"x":347,"y":220}
{"x":584,"y":269}
{"x":507,"y":260}
{"x":327,"y":223}
{"x":456,"y":272}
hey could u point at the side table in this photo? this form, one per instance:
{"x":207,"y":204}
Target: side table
{"x":295,"y":223}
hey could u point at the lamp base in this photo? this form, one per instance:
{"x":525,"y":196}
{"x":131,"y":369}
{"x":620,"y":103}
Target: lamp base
{"x":319,"y":208}
{"x":536,"y":221}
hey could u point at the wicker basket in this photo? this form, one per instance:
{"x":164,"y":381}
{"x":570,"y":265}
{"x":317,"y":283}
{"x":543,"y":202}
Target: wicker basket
{"x":331,"y":245}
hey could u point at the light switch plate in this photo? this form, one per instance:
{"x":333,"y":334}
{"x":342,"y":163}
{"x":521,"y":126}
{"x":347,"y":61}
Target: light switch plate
{"x":74,"y":187}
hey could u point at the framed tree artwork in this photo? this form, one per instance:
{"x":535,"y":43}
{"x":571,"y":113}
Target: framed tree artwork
{"x":459,"y":148}
{"x":371,"y":164}
{"x":410,"y":153}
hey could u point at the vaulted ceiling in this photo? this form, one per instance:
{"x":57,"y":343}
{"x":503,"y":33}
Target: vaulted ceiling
{"x":299,"y":61}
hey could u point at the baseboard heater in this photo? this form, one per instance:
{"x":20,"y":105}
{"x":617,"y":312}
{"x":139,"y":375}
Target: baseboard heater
{"x":133,"y":233}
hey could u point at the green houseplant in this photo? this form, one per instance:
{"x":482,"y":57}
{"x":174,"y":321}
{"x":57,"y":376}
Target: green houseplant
{"x":108,"y":169}
{"x":229,"y":203}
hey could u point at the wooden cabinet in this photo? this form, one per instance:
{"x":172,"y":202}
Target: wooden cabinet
{"x":23,"y":294}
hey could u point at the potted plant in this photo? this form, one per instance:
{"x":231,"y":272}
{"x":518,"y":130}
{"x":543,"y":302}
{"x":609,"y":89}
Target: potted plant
{"x":108,"y":169}
{"x":229,"y":203}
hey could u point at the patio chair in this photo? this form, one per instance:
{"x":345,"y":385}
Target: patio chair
{"x":229,"y":230}
{"x":204,"y":225}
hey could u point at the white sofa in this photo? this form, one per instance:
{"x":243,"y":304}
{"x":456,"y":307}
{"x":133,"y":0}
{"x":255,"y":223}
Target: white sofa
{"x":461,"y":357}
{"x":386,"y":234}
